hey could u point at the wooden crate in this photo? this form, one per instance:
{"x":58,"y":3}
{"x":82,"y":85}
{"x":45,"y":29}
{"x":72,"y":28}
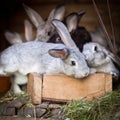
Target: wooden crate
{"x":63,"y":88}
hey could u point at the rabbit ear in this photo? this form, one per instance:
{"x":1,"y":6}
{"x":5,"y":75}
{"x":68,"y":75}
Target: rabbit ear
{"x":34,"y":16}
{"x":59,"y":53}
{"x":112,"y":56}
{"x":72,"y":21}
{"x":13,"y":38}
{"x":57,"y":13}
{"x":81,"y":13}
{"x":64,"y":34}
{"x":28,"y":30}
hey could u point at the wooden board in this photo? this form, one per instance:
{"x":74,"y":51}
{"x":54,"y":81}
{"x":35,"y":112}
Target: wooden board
{"x":34,"y":87}
{"x":64,"y":88}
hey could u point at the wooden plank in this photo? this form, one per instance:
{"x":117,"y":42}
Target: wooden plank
{"x":34,"y":87}
{"x":64,"y":88}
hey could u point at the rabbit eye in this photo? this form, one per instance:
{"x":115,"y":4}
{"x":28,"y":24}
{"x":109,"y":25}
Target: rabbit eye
{"x":73,"y":63}
{"x":58,"y":39}
{"x":95,"y":48}
{"x":49,"y":33}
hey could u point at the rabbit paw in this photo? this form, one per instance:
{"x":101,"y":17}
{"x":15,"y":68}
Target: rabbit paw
{"x":17,"y":90}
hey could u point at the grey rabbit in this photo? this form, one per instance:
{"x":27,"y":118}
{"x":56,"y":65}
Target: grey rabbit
{"x":79,"y":34}
{"x":100,"y":59}
{"x":45,"y":29}
{"x":44,"y":58}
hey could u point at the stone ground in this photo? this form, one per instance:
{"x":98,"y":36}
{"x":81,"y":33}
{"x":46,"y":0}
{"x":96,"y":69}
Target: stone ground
{"x":23,"y":118}
{"x":20,"y":109}
{"x":12,"y":108}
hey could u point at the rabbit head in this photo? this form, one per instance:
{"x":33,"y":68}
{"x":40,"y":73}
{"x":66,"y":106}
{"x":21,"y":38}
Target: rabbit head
{"x":94,"y":53}
{"x":45,"y":29}
{"x":99,"y":58}
{"x":76,"y":58}
{"x":15,"y":38}
{"x":78,"y":33}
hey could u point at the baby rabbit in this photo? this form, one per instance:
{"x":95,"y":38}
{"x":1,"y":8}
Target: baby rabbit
{"x":99,"y":59}
{"x":78,"y":33}
{"x":45,"y":29}
{"x":42,"y":57}
{"x":15,"y":38}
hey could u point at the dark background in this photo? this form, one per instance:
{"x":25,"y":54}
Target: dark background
{"x":12,"y":14}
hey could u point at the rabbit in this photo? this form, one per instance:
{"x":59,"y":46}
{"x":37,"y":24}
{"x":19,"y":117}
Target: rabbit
{"x":15,"y":38}
{"x":79,"y":34}
{"x":44,"y":58}
{"x":99,"y":59}
{"x":45,"y":29}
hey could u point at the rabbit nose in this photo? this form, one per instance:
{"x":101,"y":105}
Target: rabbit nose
{"x":86,"y":73}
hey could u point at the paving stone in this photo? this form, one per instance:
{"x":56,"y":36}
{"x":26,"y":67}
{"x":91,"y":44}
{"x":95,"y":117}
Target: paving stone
{"x":9,"y":111}
{"x":2,"y":108}
{"x":55,"y":106}
{"x":40,"y":112}
{"x":32,"y":112}
{"x":43,"y":105}
{"x":17,"y":103}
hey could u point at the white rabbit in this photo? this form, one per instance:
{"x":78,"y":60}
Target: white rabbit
{"x":99,"y":59}
{"x":45,"y":29}
{"x":42,"y":57}
{"x":15,"y":38}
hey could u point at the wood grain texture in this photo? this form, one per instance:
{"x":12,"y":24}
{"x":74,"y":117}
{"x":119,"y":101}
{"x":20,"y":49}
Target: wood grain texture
{"x":63,"y":88}
{"x":34,"y":87}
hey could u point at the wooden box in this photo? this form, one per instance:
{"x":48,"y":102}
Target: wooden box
{"x":64,"y":88}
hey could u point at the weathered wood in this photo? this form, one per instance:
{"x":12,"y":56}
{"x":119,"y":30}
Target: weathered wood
{"x":34,"y":87}
{"x":64,"y":88}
